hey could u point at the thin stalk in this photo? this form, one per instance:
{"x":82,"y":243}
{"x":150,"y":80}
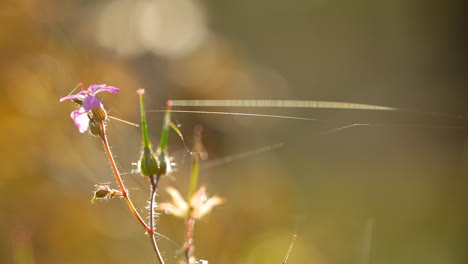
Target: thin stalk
{"x":144,"y":125}
{"x":154,"y":187}
{"x":119,"y":180}
{"x":198,"y":150}
{"x":149,"y":172}
{"x":193,"y":176}
{"x":194,"y":173}
{"x":165,"y":129}
{"x":285,"y":259}
{"x":189,"y":227}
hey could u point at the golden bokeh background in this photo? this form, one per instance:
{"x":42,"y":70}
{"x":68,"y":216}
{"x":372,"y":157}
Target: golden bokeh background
{"x":393,"y":192}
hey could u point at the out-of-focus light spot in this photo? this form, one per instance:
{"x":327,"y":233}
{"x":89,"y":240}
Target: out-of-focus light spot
{"x":171,"y":28}
{"x":212,"y":70}
{"x":116,"y":29}
{"x":168,"y":28}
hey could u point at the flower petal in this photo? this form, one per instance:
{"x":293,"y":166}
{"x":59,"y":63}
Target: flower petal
{"x":92,"y":88}
{"x":169,"y":208}
{"x":97,"y":88}
{"x":207,"y":207}
{"x":81,"y":119}
{"x":80,"y":95}
{"x":177,"y":199}
{"x":199,"y":197}
{"x":91,"y":102}
{"x":110,"y":89}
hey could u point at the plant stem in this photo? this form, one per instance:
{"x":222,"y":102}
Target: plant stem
{"x":193,"y":176}
{"x":154,"y":187}
{"x":154,"y":182}
{"x":165,"y":129}
{"x":119,"y":180}
{"x":189,"y":226}
{"x":194,"y":173}
{"x":144,"y":126}
{"x":149,"y":230}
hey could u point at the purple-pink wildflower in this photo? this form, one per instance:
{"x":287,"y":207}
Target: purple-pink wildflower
{"x":89,"y":101}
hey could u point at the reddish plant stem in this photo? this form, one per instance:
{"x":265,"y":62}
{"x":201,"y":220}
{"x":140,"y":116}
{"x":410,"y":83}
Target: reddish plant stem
{"x":189,"y":226}
{"x":154,"y":187}
{"x":119,"y":180}
{"x":149,"y":230}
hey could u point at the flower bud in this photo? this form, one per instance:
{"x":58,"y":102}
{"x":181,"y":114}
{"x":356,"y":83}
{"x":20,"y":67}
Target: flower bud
{"x":99,"y":114}
{"x":148,"y":165}
{"x":95,"y":127}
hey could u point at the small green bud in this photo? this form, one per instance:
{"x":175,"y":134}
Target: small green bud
{"x":95,"y":127}
{"x":99,"y":114}
{"x":148,"y":164}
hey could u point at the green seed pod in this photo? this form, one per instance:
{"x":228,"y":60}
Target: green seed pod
{"x":99,"y":114}
{"x":163,"y":161}
{"x":95,"y":127}
{"x":148,"y":165}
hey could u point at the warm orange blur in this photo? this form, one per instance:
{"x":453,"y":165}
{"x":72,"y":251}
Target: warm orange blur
{"x":395,"y":192}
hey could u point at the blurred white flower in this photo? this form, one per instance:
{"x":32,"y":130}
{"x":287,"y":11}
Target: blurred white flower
{"x":199,"y":206}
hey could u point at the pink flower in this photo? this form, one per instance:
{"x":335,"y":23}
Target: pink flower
{"x":89,"y":101}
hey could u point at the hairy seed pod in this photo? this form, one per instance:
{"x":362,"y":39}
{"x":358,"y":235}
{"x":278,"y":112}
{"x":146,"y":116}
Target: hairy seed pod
{"x":148,"y":164}
{"x":163,"y":161}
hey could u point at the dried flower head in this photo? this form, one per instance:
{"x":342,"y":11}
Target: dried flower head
{"x":104,"y":192}
{"x":199,"y":206}
{"x":90,"y":104}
